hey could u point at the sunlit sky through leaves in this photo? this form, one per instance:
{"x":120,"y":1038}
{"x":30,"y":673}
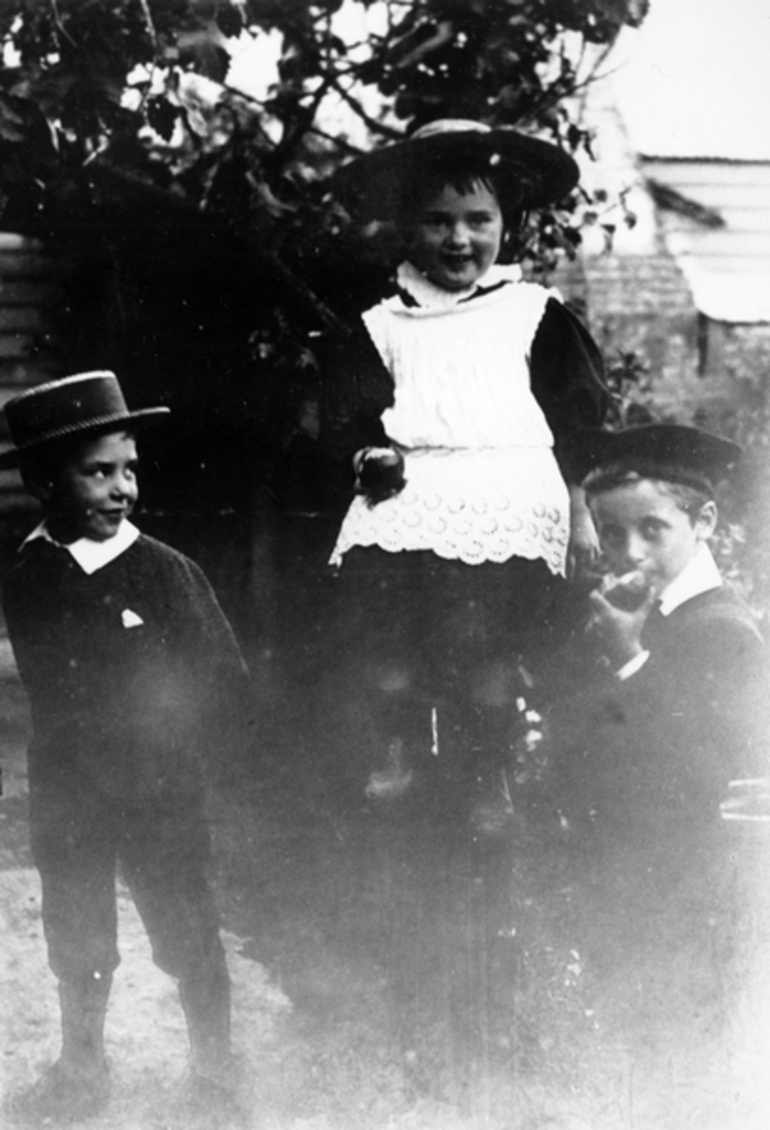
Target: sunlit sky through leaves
{"x":693,"y":81}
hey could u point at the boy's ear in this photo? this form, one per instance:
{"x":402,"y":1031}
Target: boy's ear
{"x":40,"y":490}
{"x":706,"y":520}
{"x":37,"y":481}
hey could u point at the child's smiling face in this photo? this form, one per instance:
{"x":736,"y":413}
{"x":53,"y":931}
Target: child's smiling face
{"x":94,"y":489}
{"x":455,"y":235}
{"x":642,"y":526}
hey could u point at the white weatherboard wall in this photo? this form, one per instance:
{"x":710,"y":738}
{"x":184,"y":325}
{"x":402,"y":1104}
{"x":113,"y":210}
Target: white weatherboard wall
{"x":693,"y":89}
{"x":727,"y":267}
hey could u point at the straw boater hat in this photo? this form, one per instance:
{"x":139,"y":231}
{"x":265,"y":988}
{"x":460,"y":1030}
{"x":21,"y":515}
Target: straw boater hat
{"x":673,"y":452}
{"x":371,"y":185}
{"x":77,"y":405}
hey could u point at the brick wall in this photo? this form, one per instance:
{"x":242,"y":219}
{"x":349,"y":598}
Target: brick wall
{"x":642,"y":304}
{"x":637,"y":297}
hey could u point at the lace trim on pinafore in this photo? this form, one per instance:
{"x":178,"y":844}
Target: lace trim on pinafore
{"x":482,"y":480}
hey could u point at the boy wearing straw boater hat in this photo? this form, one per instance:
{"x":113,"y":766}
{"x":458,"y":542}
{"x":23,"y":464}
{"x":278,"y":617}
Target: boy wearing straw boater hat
{"x":129,"y":664}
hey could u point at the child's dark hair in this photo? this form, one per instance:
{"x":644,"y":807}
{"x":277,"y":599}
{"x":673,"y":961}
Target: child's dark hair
{"x":463,"y":173}
{"x":40,"y":465}
{"x":690,"y":492}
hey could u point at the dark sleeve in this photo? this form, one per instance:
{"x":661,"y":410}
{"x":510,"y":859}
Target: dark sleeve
{"x":356,"y":391}
{"x":219,"y":653}
{"x":567,"y":375}
{"x":225,"y":730}
{"x":671,"y":737}
{"x":663,"y":745}
{"x":712,"y":678}
{"x":43,"y":640}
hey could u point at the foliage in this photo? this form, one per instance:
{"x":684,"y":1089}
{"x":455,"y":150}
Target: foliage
{"x":109,"y":85}
{"x":200,"y":217}
{"x":630,"y":388}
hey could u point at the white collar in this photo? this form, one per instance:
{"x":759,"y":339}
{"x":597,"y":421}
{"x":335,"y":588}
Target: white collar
{"x":699,"y":575}
{"x":92,"y":555}
{"x":426,"y":293}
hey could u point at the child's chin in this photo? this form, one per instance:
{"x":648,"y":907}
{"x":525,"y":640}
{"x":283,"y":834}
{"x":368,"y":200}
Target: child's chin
{"x":457,"y":280}
{"x":105,"y":530}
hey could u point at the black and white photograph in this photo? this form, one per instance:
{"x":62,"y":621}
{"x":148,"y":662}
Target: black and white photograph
{"x":384,"y":565}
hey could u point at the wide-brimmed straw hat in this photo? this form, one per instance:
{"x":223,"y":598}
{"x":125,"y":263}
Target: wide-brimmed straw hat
{"x":371,"y":186}
{"x":668,"y":451}
{"x":76,"y":405}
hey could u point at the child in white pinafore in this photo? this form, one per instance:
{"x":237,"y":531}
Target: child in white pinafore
{"x":454,"y":400}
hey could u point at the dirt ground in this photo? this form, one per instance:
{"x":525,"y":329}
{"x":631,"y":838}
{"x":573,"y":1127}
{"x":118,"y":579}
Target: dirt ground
{"x":394,"y":972}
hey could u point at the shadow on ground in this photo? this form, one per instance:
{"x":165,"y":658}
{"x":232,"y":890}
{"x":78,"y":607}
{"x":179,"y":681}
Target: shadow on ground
{"x":393,"y":970}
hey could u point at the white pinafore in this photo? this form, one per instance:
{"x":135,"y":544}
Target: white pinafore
{"x":482,"y":480}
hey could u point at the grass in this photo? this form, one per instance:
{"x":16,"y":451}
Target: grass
{"x":441,"y":981}
{"x":393,"y":972}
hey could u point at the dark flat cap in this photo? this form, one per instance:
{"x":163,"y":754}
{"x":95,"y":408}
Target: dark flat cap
{"x":673,"y":451}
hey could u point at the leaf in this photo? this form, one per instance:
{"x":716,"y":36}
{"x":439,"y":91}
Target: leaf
{"x":203,"y":55}
{"x":229,"y":21}
{"x":9,"y":132}
{"x":162,"y":116}
{"x":22,"y":89}
{"x":269,"y":202}
{"x":9,"y":116}
{"x":619,"y":12}
{"x":110,"y":89}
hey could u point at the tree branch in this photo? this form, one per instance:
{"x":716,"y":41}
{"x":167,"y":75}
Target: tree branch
{"x":150,"y":26}
{"x":59,"y":25}
{"x":372,"y":123}
{"x":183,"y":207}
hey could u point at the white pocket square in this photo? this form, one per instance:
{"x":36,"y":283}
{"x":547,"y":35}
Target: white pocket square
{"x":130,"y":619}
